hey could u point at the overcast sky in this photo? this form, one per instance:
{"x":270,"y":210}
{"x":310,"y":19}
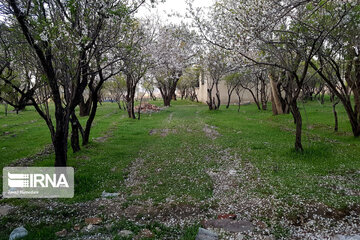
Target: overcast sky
{"x":170,"y":7}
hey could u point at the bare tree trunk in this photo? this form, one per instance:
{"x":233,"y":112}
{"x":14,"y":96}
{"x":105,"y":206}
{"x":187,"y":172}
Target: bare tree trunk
{"x":354,"y":122}
{"x":89,"y":122}
{"x":210,"y":100}
{"x":263,"y":94}
{"x":230,"y":91}
{"x":336,"y":128}
{"x":152,"y":95}
{"x":85,"y":107}
{"x":183,"y":93}
{"x":60,"y":141}
{"x":256,"y":100}
{"x":217,"y":106}
{"x":334,"y":103}
{"x":130,"y":102}
{"x":168,"y":90}
{"x":239,"y":99}
{"x":119,"y":104}
{"x":167,"y":101}
{"x":275,"y":95}
{"x":297,"y":116}
{"x":139,"y":110}
{"x":75,"y":143}
{"x":130,"y":108}
{"x":228,"y":102}
{"x":273,"y":106}
{"x":318,"y":92}
{"x":6,"y":109}
{"x":95,"y":92}
{"x":322,"y":97}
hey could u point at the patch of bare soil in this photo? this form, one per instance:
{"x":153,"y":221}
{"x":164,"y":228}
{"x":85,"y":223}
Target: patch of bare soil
{"x":108,"y":134}
{"x":211,"y":132}
{"x":162,"y":132}
{"x":134,"y":179}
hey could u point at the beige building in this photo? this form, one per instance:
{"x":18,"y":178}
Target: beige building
{"x":203,"y":95}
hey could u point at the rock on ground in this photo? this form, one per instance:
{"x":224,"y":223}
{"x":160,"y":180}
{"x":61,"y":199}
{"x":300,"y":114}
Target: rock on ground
{"x":342,"y":237}
{"x":229,"y":225}
{"x":5,"y":210}
{"x":125,"y":233}
{"x":204,"y":234}
{"x":18,"y":233}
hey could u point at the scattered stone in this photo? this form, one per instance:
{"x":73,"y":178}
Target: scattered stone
{"x":232,"y":172}
{"x":93,"y":221}
{"x":18,"y":233}
{"x":153,"y":131}
{"x":227,"y":216}
{"x":239,"y":236}
{"x":89,"y":228}
{"x":105,"y":194}
{"x":146,"y":233}
{"x":260,"y":224}
{"x":77,"y":227}
{"x":204,"y":234}
{"x":125,"y":233}
{"x":229,"y":225}
{"x":269,"y":237}
{"x":5,"y":210}
{"x":342,"y":237}
{"x":61,"y":233}
{"x":101,"y":139}
{"x":113,"y":169}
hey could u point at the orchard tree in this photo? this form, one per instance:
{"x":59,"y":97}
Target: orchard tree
{"x":135,"y":51}
{"x":117,"y":89}
{"x":338,"y":61}
{"x":231,"y":82}
{"x":63,"y":37}
{"x":275,"y":34}
{"x":217,"y":66}
{"x":253,"y":79}
{"x":173,"y":50}
{"x":189,"y":81}
{"x":149,"y":86}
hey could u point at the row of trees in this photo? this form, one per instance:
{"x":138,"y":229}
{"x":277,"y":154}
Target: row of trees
{"x":299,"y":46}
{"x":64,"y":52}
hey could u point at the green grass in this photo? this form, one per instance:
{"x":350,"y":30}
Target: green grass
{"x":173,"y":163}
{"x":267,"y":141}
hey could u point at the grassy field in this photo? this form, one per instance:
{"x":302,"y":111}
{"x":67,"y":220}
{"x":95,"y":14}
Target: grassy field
{"x":170,"y":166}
